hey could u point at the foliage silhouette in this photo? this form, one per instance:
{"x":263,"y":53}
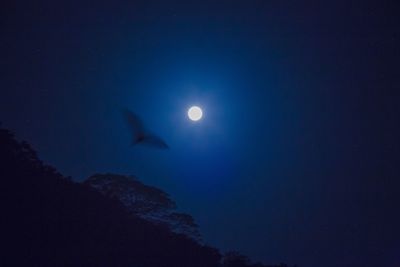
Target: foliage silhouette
{"x":146,"y":202}
{"x":48,"y":220}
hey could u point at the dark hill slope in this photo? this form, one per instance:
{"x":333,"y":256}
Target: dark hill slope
{"x":47,"y":220}
{"x":146,"y":202}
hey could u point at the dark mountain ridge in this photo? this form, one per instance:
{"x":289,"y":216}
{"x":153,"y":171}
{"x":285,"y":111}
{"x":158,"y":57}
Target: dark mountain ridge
{"x":146,"y":202}
{"x":48,"y":220}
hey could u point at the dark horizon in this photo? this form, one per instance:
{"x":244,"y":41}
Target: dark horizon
{"x":297,"y":156}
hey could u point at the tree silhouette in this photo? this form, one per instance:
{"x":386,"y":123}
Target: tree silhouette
{"x":48,"y":220}
{"x":235,"y":259}
{"x":145,"y":201}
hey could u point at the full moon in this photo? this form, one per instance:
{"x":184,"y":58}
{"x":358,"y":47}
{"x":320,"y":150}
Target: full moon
{"x":195,"y":113}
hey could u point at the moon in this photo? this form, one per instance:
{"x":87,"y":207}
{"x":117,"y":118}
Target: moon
{"x":195,"y":113}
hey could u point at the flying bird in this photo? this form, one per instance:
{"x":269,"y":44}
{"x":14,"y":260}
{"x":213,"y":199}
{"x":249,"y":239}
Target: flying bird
{"x":140,"y":135}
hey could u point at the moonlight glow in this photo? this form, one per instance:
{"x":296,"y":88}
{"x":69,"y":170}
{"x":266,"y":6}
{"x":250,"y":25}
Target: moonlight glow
{"x":195,"y":113}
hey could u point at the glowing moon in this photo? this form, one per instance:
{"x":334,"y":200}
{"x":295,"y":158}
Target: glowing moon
{"x":195,"y":113}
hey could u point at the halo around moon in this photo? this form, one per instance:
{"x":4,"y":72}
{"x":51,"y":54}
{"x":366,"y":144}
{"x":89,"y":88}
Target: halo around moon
{"x":195,"y":113}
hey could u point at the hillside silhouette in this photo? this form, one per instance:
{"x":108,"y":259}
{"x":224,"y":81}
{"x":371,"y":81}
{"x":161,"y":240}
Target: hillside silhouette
{"x":49,"y":220}
{"x":146,"y":202}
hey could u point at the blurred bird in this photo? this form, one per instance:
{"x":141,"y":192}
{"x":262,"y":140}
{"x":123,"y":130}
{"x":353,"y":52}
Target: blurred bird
{"x":140,"y":135}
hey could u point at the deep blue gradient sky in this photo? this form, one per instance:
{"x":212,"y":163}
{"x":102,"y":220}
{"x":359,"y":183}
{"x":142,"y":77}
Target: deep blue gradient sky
{"x":297,"y":158}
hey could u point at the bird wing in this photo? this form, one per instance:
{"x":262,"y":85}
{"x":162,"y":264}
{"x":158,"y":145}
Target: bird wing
{"x":154,"y":141}
{"x":135,"y":124}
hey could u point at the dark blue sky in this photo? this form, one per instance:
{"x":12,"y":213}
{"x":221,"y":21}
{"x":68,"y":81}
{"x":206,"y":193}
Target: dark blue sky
{"x":297,"y":158}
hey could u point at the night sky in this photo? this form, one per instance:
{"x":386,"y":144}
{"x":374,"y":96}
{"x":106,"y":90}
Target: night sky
{"x":297,"y":156}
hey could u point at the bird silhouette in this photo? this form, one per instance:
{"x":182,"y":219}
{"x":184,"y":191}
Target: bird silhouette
{"x":140,"y":135}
